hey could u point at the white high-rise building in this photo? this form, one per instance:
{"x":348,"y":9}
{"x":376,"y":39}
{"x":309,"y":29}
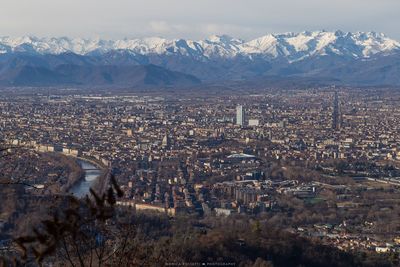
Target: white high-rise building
{"x":254,"y":122}
{"x":240,"y":115}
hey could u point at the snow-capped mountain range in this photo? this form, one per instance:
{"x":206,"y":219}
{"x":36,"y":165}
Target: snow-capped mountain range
{"x":293,"y":46}
{"x":360,"y":58}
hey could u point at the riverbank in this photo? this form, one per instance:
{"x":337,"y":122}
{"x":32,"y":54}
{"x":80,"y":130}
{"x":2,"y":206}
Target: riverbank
{"x":91,"y":179}
{"x":76,"y":173}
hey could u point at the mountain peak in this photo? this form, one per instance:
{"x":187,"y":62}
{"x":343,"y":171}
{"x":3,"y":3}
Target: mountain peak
{"x":336,"y":54}
{"x":290,"y":45}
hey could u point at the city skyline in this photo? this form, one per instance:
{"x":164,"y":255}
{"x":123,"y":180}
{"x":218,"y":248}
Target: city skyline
{"x":200,"y":133}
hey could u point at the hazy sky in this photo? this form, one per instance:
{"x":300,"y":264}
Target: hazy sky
{"x":194,"y":19}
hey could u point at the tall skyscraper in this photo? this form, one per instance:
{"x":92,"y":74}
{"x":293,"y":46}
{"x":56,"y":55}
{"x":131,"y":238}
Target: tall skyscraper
{"x":166,"y":142}
{"x":240,"y":115}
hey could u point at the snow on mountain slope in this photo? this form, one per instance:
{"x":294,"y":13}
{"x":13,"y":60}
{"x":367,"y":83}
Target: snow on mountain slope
{"x":290,"y":46}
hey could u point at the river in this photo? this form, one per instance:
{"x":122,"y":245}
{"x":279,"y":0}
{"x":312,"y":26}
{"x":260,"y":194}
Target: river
{"x":92,"y":173}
